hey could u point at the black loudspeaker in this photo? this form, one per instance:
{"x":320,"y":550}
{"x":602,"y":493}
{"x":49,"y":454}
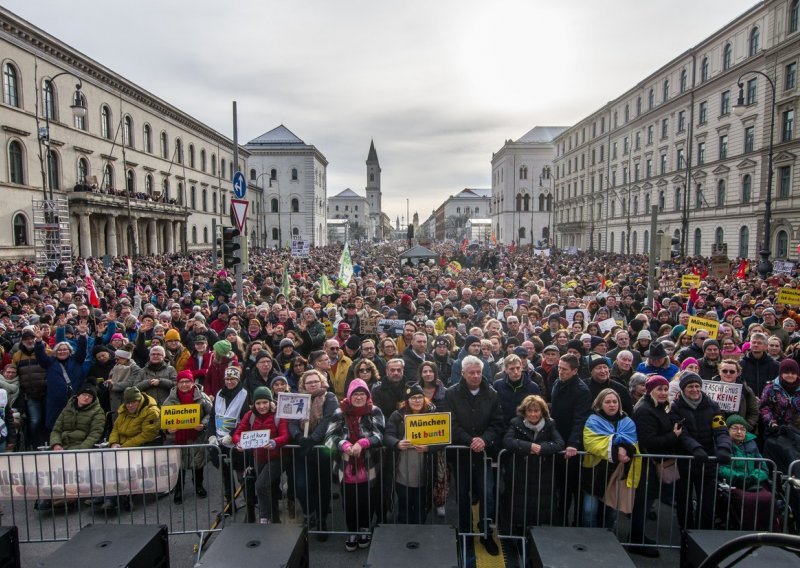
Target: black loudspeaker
{"x":264,"y":546}
{"x":413,"y":546}
{"x":699,"y":545}
{"x":567,"y":547}
{"x":9,"y":547}
{"x":131,"y":546}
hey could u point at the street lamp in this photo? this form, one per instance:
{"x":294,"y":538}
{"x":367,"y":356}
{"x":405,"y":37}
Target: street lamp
{"x":765,"y":266}
{"x":78,"y":111}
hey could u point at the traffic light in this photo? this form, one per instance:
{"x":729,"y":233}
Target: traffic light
{"x":675,"y":251}
{"x":230,"y":244}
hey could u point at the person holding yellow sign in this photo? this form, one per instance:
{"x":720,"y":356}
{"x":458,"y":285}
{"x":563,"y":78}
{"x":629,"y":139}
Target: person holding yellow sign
{"x":185,"y":393}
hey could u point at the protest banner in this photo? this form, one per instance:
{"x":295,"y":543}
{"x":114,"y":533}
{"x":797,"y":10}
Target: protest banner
{"x":541,"y":252}
{"x":782,"y":267}
{"x":695,"y":324}
{"x":293,"y":406}
{"x":301,"y":249}
{"x":429,"y":428}
{"x":391,"y":327}
{"x":254,"y":439}
{"x":607,"y":324}
{"x":83,"y":474}
{"x":180,"y":416}
{"x":690,"y":281}
{"x":727,"y":395}
{"x":789,"y":296}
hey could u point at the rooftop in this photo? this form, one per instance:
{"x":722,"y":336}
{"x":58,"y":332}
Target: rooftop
{"x":278,"y":135}
{"x":541,"y":134}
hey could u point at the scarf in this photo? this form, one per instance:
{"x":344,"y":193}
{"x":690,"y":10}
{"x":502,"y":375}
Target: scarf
{"x":692,"y":403}
{"x":352,"y":417}
{"x":790,"y":388}
{"x":535,"y":427}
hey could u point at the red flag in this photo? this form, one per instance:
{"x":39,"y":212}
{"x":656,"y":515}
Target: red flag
{"x":94,"y":300}
{"x":602,"y":281}
{"x":704,"y":274}
{"x":740,"y":273}
{"x":464,"y":244}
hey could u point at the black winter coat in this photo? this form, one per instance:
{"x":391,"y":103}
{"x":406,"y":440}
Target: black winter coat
{"x":624,"y":395}
{"x":703,"y":427}
{"x":474,"y":416}
{"x":758,"y":372}
{"x":654,"y":427}
{"x":571,"y":404}
{"x":512,"y":394}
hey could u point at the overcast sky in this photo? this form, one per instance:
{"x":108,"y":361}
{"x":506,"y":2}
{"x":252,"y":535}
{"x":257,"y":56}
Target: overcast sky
{"x":438,"y":84}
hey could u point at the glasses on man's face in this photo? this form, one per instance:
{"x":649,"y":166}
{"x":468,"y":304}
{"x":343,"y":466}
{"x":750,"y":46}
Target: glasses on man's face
{"x":231,"y":380}
{"x":728,"y":371}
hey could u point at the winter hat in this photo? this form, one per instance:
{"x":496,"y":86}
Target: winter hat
{"x":769,"y":311}
{"x":689,"y":361}
{"x":223,"y":309}
{"x":657,"y":351}
{"x":27,"y":334}
{"x":117,"y":336}
{"x":275,"y":379}
{"x":172,"y":335}
{"x":87,"y":389}
{"x":441,"y":341}
{"x":344,"y":326}
{"x":357,"y":384}
{"x":97,"y":349}
{"x":230,"y":331}
{"x":185,"y":375}
{"x":788,"y":366}
{"x":676,"y":332}
{"x":597,"y":341}
{"x":132,"y":394}
{"x":586,"y":337}
{"x":576,"y":344}
{"x":353,"y":343}
{"x":286,"y":342}
{"x":233,"y":372}
{"x":200,"y":339}
{"x":122,"y":354}
{"x":736,"y":419}
{"x":688,"y":378}
{"x":262,"y":393}
{"x":644,"y":334}
{"x":470,"y":340}
{"x":521,"y":352}
{"x":598,"y":360}
{"x":655,"y":381}
{"x":222,"y":347}
{"x":709,"y":342}
{"x":263,"y":354}
{"x":413,"y":390}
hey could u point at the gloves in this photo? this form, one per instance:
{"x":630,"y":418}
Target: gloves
{"x":773,"y":430}
{"x":227,"y":441}
{"x":700,"y":455}
{"x":723,"y":456}
{"x":212,"y":439}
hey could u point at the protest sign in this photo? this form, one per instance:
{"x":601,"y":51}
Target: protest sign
{"x":367,"y":326}
{"x":695,"y":324}
{"x":782,"y":267}
{"x":541,"y":252}
{"x":428,"y":428}
{"x":293,"y":406}
{"x":789,"y":296}
{"x":690,"y":281}
{"x":254,"y":439}
{"x":570,"y":315}
{"x":607,"y":324}
{"x":180,"y":416}
{"x":392,"y":328}
{"x":301,"y":249}
{"x":727,"y":395}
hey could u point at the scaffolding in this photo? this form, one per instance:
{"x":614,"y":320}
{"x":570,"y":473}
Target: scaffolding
{"x":51,"y":235}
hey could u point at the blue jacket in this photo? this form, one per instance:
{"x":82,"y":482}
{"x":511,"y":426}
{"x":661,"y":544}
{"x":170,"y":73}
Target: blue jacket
{"x":58,"y":393}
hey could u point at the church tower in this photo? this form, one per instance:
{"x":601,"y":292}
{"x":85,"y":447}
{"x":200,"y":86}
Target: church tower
{"x":374,"y":190}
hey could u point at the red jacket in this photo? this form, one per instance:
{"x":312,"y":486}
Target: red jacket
{"x":199,"y":373}
{"x":215,"y":376}
{"x":266,"y":422}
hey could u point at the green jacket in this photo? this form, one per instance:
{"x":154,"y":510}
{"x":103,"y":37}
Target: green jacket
{"x":745,"y":474}
{"x":78,"y":429}
{"x":140,"y":429}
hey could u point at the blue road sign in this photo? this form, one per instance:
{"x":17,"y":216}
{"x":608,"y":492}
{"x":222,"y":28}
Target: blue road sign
{"x":239,"y":185}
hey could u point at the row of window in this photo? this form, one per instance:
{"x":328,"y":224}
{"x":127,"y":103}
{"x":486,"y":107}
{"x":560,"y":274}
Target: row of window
{"x":275,"y":234}
{"x":273,"y":175}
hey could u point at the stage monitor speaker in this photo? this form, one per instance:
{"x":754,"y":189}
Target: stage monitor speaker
{"x":264,"y":546}
{"x":567,"y":547}
{"x":9,"y":547}
{"x":131,"y":546}
{"x":698,"y":545}
{"x":413,"y":546}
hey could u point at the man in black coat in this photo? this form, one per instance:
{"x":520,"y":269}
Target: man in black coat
{"x":512,"y":386}
{"x":414,"y":356}
{"x":758,"y":368}
{"x":600,"y":378}
{"x":477,"y":422}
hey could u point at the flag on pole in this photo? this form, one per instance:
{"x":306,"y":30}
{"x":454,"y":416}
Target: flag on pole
{"x":345,"y":266}
{"x":94,"y":300}
{"x":602,"y":281}
{"x":325,"y":288}
{"x":742,"y":267}
{"x":286,"y":284}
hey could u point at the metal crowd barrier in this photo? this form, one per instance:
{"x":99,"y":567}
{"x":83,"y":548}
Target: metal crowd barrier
{"x":791,"y":494}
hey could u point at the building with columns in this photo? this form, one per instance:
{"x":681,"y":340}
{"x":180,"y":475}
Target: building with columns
{"x":139,"y":175}
{"x":450,"y":219}
{"x":675,"y":141}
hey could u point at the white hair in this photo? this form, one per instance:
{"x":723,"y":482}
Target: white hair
{"x":471,"y":361}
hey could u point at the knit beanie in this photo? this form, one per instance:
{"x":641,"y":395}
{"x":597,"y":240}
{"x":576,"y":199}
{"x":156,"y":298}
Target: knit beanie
{"x":736,"y":419}
{"x":222,"y":347}
{"x":788,"y":366}
{"x":87,"y":389}
{"x":132,"y":394}
{"x":262,"y":393}
{"x":172,"y":335}
{"x":689,"y":361}
{"x":655,"y":381}
{"x":577,"y":345}
{"x":688,"y":378}
{"x":185,"y":375}
{"x":275,"y":379}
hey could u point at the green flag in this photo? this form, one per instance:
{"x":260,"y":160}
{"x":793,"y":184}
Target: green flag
{"x":286,"y":285}
{"x":325,"y":288}
{"x":345,"y":266}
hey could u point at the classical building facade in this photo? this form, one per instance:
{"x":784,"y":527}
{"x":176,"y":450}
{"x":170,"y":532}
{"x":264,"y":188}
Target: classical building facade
{"x":449,"y":220}
{"x":522,"y":187}
{"x":293,"y":178}
{"x":674,"y":141}
{"x":140,"y":175}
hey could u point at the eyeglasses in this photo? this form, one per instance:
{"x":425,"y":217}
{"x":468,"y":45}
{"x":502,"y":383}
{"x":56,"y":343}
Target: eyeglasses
{"x":736,"y":427}
{"x":358,"y":394}
{"x":365,"y":370}
{"x":728,"y":371}
{"x":231,"y":379}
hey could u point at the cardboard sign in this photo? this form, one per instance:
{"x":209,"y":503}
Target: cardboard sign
{"x":254,"y":439}
{"x":391,"y":327}
{"x":180,"y":416}
{"x":293,"y":406}
{"x":570,"y":315}
{"x":782,"y":267}
{"x":727,"y":395}
{"x":607,"y":324}
{"x":301,"y":249}
{"x":696,"y":324}
{"x":541,"y":252}
{"x":367,"y":326}
{"x":428,"y":429}
{"x":789,"y":296}
{"x":720,"y":268}
{"x":690,"y":281}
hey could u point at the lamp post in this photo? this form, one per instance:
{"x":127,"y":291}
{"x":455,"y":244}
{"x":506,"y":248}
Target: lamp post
{"x":78,"y":111}
{"x":765,"y":266}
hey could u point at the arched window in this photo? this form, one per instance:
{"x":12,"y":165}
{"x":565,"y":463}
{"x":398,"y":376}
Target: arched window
{"x":148,"y":139}
{"x":523,"y":172}
{"x":747,"y":189}
{"x":20,"y":230}
{"x":549,"y":202}
{"x":106,"y":130}
{"x":222,"y":168}
{"x":698,"y":241}
{"x":646,"y":242}
{"x":16,"y":162}
{"x":295,"y":205}
{"x":193,"y":197}
{"x":519,"y":202}
{"x":11,"y":95}
{"x":205,"y":234}
{"x":294,"y":174}
{"x":794,"y":15}
{"x":253,"y":175}
{"x":53,"y":170}
{"x":49,"y":106}
{"x":647,"y":204}
{"x":130,"y":182}
{"x":273,"y":205}
{"x":204,"y":199}
{"x":719,"y":236}
{"x":651,"y":99}
{"x":127,"y":131}
{"x":214,"y":201}
{"x":191,"y":155}
{"x":178,"y":150}
{"x":661,"y":201}
{"x":80,"y":121}
{"x":541,"y":202}
{"x":273,"y":174}
{"x":83,"y":170}
{"x":727,"y":57}
{"x":274,"y":233}
{"x":225,"y":205}
{"x":213,"y":164}
{"x":203,"y":160}
{"x":194,"y":235}
{"x":753,"y":46}
{"x":634,"y":242}
{"x":635,"y":210}
{"x":611,"y":242}
{"x":148,"y":184}
{"x":108,"y":177}
{"x":782,"y":244}
{"x":295,"y":232}
{"x":665,"y":91}
{"x":721,"y":193}
{"x":744,"y":241}
{"x":521,"y":233}
{"x":683,"y":80}
{"x":526,"y":202}
{"x":180,"y":193}
{"x":704,"y":70}
{"x":164,"y":146}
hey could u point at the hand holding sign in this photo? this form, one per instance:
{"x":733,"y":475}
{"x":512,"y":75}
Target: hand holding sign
{"x":255,"y":439}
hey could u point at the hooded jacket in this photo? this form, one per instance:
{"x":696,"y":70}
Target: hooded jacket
{"x":166,"y":376}
{"x":139,"y":429}
{"x":79,"y":428}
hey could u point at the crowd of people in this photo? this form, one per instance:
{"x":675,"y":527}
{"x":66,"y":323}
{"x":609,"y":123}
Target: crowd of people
{"x":560,"y":360}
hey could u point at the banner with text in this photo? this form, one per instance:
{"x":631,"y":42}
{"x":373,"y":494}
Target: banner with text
{"x":727,"y":395}
{"x":293,"y":406}
{"x":180,"y":416}
{"x":790,"y":296}
{"x":429,"y":428}
{"x":696,"y":324}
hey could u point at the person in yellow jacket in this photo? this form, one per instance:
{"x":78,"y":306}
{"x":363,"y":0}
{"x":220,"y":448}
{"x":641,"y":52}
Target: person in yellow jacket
{"x":177,"y":354}
{"x":340,"y":364}
{"x":138,"y":421}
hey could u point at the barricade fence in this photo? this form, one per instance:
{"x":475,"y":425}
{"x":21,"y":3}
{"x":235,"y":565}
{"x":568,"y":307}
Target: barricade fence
{"x":791,"y":488}
{"x":50,"y":495}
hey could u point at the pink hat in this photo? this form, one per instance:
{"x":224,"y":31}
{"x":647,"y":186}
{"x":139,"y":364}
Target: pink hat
{"x":117,"y":336}
{"x":689,"y":361}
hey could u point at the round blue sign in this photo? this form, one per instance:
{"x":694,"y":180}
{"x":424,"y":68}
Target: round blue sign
{"x":239,"y":185}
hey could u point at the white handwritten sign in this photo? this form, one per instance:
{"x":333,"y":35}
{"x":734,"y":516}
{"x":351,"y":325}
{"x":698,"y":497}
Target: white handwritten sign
{"x":726,"y":395}
{"x":570,"y":315}
{"x":293,"y":406}
{"x":254,"y":439}
{"x":607,"y":324}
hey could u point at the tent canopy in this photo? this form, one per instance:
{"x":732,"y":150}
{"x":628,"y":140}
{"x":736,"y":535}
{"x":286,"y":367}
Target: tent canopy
{"x":418,"y":252}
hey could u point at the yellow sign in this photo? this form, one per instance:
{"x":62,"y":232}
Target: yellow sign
{"x":429,"y":428}
{"x":790,"y":296}
{"x":690,"y":281}
{"x":696,"y":324}
{"x":180,"y":416}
